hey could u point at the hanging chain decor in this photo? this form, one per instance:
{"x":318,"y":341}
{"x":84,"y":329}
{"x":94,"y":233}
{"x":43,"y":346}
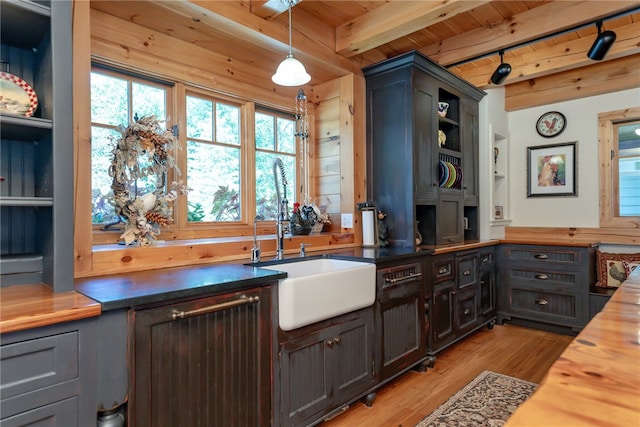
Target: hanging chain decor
{"x":142,"y":154}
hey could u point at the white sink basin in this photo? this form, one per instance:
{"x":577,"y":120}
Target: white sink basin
{"x":319,"y":289}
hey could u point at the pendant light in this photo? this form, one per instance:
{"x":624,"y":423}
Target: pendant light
{"x":291,"y":72}
{"x":602,"y":43}
{"x":502,"y":72}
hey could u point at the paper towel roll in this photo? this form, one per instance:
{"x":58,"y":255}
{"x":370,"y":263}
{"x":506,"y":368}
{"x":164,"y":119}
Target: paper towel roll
{"x":368,"y":228}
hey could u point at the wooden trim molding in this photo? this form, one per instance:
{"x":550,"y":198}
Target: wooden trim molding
{"x":574,"y":235}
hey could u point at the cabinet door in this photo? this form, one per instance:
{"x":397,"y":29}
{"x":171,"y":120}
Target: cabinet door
{"x":469,"y":136}
{"x":449,"y":219}
{"x":442,"y":314}
{"x":326,"y":367}
{"x":466,"y":310}
{"x":487,"y":293}
{"x":425,"y":103}
{"x":402,"y":324}
{"x":203,"y":362}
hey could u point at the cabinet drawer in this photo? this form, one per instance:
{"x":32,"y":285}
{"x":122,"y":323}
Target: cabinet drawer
{"x":560,"y":280}
{"x":37,"y":364}
{"x":467,"y":270}
{"x":399,"y":276}
{"x":487,"y":258}
{"x":466,"y":310}
{"x":62,"y":414}
{"x":545,"y":255}
{"x":442,"y":268}
{"x":546,"y":305}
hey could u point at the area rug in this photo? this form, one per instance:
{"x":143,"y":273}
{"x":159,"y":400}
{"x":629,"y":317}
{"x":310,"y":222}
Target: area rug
{"x":488,"y":400}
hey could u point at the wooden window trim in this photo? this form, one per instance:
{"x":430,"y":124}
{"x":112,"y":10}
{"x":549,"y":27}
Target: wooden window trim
{"x":608,"y":168}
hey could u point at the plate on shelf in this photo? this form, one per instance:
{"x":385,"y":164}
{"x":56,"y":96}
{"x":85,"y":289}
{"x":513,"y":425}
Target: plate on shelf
{"x":16,"y":96}
{"x":452,"y":175}
{"x":444,"y":173}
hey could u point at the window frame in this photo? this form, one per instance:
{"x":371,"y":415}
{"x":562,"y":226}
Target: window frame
{"x":176,"y":107}
{"x":608,"y":157}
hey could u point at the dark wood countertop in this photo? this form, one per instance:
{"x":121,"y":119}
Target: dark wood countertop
{"x":32,"y":306}
{"x":596,"y":381}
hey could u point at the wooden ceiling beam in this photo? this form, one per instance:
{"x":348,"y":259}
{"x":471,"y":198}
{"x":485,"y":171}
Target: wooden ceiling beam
{"x":557,"y":58}
{"x":523,"y":27}
{"x":596,"y":79}
{"x":393,"y":21}
{"x":235,"y":19}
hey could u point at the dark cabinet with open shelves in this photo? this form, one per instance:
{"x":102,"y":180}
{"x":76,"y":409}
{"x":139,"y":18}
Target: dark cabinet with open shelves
{"x":36,"y":190}
{"x":422,"y":166}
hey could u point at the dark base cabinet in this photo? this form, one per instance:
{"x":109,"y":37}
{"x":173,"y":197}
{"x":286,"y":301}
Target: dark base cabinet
{"x":463,"y":295}
{"x":545,"y":284}
{"x":204,"y":362}
{"x":48,"y":376}
{"x":401,"y":321}
{"x":325,"y":366}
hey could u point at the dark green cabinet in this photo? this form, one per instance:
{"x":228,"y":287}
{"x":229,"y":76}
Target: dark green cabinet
{"x":325,"y":366}
{"x":422,"y":168}
{"x":463,"y":295}
{"x":545,"y":285}
{"x":401,"y":317}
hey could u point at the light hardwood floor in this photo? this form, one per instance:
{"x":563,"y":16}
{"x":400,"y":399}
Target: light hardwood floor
{"x":511,"y":350}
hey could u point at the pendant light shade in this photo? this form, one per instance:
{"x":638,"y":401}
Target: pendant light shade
{"x":601,"y":45}
{"x":291,"y":72}
{"x":502,"y":72}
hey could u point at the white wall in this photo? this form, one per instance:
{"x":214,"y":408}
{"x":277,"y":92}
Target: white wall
{"x":582,"y":126}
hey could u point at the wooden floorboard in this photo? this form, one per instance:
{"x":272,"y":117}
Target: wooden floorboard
{"x":511,"y":350}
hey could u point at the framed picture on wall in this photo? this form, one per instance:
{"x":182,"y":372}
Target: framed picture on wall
{"x":551,"y":170}
{"x":498,"y":212}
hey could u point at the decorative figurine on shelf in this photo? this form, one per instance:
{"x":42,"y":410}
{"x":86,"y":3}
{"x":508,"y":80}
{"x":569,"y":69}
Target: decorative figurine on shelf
{"x":383,"y":230}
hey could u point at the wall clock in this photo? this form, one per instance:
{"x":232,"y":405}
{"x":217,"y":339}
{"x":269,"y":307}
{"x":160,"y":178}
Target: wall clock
{"x":551,"y":124}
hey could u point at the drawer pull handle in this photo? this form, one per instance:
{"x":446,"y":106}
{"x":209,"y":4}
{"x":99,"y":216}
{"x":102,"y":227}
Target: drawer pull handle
{"x":541,"y":277}
{"x":466,"y":273}
{"x":485,"y":260}
{"x":541,"y":256}
{"x":333,"y":342}
{"x":403,"y":279}
{"x":542,"y":302}
{"x":467,"y":312}
{"x":212,"y":308}
{"x":443,"y":270}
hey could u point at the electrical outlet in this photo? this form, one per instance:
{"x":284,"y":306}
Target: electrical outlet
{"x":347,"y":220}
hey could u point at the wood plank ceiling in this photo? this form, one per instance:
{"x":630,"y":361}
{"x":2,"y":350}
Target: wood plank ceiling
{"x":333,"y":38}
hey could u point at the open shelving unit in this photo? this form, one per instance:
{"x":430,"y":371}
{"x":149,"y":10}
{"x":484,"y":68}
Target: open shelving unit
{"x":36,"y":170}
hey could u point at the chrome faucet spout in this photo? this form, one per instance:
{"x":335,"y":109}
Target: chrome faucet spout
{"x":283,"y":209}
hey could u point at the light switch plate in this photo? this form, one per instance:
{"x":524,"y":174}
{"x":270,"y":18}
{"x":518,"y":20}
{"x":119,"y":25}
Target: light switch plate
{"x":347,"y":220}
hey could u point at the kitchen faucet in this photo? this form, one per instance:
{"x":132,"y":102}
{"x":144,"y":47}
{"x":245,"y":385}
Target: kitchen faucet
{"x":283,"y":209}
{"x":255,"y":251}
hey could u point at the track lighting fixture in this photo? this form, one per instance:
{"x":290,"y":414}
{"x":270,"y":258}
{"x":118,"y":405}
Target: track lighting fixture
{"x":502,"y":72}
{"x":601,"y":45}
{"x":291,"y":72}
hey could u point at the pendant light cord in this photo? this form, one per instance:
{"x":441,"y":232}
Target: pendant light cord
{"x":290,"y":42}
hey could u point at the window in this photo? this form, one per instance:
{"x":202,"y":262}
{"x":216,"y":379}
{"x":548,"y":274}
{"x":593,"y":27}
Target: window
{"x":213,"y":160}
{"x":116,"y":100}
{"x":230,"y":174}
{"x":274,"y":134}
{"x":619,"y":140}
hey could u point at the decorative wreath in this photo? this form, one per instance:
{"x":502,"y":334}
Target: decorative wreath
{"x":142,"y":151}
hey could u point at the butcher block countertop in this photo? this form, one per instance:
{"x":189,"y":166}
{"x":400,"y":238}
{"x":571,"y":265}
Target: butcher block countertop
{"x":596,"y":381}
{"x":32,"y":306}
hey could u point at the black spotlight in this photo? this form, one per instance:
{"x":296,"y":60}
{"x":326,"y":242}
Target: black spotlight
{"x":602,"y":43}
{"x":502,"y":72}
